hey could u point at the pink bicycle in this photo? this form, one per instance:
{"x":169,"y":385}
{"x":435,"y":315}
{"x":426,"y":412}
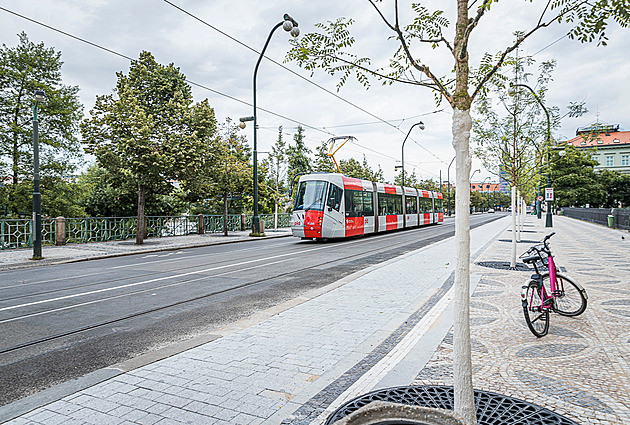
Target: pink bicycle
{"x":549,"y":291}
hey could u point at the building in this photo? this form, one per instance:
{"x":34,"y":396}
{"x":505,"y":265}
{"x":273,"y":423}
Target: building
{"x":613,"y":146}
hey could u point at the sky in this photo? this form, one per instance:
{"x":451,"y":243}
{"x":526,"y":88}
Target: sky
{"x":584,"y":72}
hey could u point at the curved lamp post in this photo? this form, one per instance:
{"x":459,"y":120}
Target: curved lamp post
{"x":39,"y":96}
{"x":420,"y":125}
{"x":290,"y":25}
{"x":549,"y":216}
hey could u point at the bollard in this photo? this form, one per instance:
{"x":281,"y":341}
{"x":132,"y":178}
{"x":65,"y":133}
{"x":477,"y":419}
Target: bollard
{"x":60,"y":231}
{"x":200,"y":226}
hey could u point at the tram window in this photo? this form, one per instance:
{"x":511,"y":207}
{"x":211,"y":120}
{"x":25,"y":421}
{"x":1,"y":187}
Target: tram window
{"x":368,"y":203}
{"x":334,"y":197}
{"x":411,"y":205}
{"x":389,"y":204}
{"x":425,"y":205}
{"x":438,"y":206}
{"x":310,"y":195}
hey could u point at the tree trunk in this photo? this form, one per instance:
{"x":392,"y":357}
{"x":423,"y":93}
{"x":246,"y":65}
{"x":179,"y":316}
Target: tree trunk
{"x":225,"y":214}
{"x":513,"y":205}
{"x":462,"y":363}
{"x":141,"y":219}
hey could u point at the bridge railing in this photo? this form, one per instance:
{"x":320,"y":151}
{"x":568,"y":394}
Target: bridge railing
{"x":18,"y":233}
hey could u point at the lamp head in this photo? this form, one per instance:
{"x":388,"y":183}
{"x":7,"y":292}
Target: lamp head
{"x":39,"y":96}
{"x":242,"y":125}
{"x":290,"y":25}
{"x":421,"y":125}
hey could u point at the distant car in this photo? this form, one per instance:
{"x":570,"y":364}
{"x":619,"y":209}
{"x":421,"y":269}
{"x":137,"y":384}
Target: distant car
{"x":490,"y":210}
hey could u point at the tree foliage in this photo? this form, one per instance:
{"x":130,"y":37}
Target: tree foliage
{"x":24,"y":69}
{"x":298,"y":156}
{"x":143,"y":134}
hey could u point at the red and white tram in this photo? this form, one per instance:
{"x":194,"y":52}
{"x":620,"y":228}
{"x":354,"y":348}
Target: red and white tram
{"x":336,"y":206}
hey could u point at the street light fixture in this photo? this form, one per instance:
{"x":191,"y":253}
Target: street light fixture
{"x":289,"y":25}
{"x":420,"y":125}
{"x":549,"y":217}
{"x":39,"y":96}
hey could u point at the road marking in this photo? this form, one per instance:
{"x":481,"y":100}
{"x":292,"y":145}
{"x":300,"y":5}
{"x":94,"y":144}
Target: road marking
{"x":13,"y":319}
{"x":129,"y":285}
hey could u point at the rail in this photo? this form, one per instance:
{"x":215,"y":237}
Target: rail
{"x":18,"y":233}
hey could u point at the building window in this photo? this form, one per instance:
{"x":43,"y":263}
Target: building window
{"x":609,"y":161}
{"x":616,"y":141}
{"x":599,"y":142}
{"x":625,"y":160}
{"x":582,"y":143}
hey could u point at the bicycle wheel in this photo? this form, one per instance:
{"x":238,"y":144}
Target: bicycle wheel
{"x":570,"y":297}
{"x":536,"y":317}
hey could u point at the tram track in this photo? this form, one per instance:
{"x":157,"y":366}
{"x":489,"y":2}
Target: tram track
{"x":104,"y":323}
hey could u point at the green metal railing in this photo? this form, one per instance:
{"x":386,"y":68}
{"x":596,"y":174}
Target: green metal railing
{"x":17,"y":233}
{"x":100,"y":229}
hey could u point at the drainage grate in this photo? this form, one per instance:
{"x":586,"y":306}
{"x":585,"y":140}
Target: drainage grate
{"x":492,"y":408}
{"x":503,"y":265}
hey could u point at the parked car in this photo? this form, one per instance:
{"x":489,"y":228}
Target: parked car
{"x":490,"y":210}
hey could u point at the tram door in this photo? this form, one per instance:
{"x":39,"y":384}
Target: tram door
{"x":333,"y":213}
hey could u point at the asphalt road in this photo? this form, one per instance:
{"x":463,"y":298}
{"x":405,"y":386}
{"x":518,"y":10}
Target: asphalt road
{"x":61,"y":322}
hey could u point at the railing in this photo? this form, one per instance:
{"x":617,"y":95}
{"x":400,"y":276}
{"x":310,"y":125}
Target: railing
{"x":600,"y":216}
{"x":17,"y":233}
{"x":100,"y":229}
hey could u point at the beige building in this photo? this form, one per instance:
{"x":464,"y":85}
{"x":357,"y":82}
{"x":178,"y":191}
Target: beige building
{"x":613,"y":146}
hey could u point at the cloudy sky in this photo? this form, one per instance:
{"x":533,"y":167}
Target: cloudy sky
{"x":596,"y":75}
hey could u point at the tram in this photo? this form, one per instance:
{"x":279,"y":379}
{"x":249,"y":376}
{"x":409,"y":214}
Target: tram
{"x":330,"y":205}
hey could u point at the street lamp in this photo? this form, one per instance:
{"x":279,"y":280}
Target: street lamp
{"x":39,"y":96}
{"x":448,"y":177}
{"x":549,"y":217}
{"x":487,"y":192}
{"x":420,"y":124}
{"x":290,"y":25}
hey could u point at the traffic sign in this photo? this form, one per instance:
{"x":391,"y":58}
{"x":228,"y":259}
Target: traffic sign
{"x":540,"y":198}
{"x":549,"y":194}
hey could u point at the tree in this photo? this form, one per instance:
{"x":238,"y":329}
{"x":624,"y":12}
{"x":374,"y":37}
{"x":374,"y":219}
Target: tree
{"x":616,"y":188}
{"x":298,"y":157}
{"x":575,"y":181}
{"x":323,"y":162}
{"x":24,"y":69}
{"x":277,"y":170}
{"x":331,"y":50}
{"x":142,"y":132}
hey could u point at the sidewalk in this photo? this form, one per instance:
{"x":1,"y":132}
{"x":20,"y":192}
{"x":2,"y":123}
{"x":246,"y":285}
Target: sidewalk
{"x":384,"y":326}
{"x":21,"y":258}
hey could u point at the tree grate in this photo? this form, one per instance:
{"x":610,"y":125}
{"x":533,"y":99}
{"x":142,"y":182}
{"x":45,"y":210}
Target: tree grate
{"x":503,"y":265}
{"x":492,"y":408}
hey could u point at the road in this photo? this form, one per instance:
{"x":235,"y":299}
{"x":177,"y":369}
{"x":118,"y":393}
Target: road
{"x":61,"y":322}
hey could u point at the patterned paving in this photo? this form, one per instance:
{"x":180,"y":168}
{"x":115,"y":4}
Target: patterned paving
{"x":581,"y":369}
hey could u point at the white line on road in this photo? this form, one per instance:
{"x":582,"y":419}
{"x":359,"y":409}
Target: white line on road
{"x":129,"y":285}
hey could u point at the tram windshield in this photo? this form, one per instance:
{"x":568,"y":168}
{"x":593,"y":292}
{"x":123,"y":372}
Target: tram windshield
{"x":311,"y":195}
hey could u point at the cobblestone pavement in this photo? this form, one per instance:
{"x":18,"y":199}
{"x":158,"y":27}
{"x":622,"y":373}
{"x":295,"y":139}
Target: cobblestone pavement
{"x":21,"y":258}
{"x":581,"y":369}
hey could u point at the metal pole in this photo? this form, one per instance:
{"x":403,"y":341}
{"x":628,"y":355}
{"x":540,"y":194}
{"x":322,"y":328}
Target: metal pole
{"x":256,"y":218}
{"x":37,"y":197}
{"x":549,"y":217}
{"x":448,"y":177}
{"x":420,"y":123}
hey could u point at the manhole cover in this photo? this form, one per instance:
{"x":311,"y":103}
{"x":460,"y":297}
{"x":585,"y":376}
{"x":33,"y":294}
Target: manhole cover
{"x":492,"y":408}
{"x":503,"y":265}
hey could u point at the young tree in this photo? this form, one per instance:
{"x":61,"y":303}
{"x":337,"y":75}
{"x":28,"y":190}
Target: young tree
{"x":24,"y":69}
{"x":142,"y":132}
{"x":298,"y":157}
{"x":277,"y":171}
{"x":331,"y":48}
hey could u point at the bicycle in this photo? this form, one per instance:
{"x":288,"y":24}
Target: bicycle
{"x":548,"y":292}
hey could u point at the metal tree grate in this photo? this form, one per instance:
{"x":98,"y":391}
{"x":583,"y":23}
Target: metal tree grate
{"x":503,"y":265}
{"x":492,"y":408}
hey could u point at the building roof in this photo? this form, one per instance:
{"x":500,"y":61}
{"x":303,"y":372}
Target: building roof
{"x":616,"y":138}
